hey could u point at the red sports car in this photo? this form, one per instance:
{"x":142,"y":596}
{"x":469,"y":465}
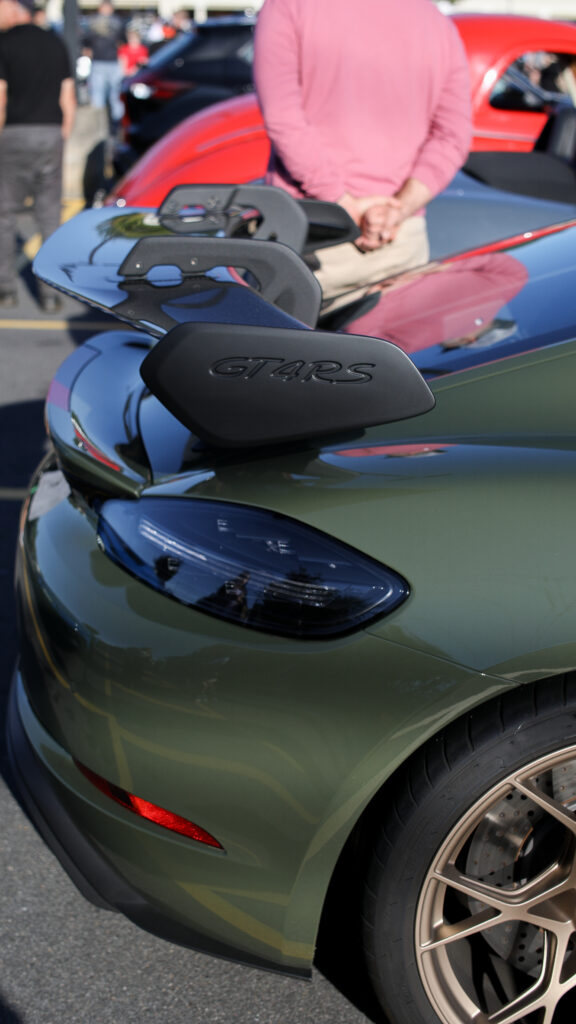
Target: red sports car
{"x":518,"y":66}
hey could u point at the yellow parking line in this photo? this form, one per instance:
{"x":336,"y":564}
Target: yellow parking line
{"x":70,"y":207}
{"x":32,"y":245}
{"x":55,"y":325}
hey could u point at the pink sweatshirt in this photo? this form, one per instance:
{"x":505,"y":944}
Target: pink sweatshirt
{"x":357,"y":97}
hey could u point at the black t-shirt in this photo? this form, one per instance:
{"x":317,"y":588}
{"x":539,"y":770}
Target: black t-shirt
{"x":33,"y":63}
{"x":105,"y":34}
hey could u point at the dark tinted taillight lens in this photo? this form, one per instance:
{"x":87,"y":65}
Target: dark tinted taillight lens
{"x":252,"y":567}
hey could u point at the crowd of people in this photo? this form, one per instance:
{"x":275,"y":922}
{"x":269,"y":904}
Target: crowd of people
{"x":118,"y":48}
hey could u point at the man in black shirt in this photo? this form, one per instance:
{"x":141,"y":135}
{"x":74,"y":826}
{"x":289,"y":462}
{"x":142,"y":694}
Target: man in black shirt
{"x":37,"y":106}
{"x":104,"y":35}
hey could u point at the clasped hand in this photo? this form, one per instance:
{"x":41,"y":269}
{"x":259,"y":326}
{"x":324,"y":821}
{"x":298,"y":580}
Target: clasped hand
{"x":378,"y":218}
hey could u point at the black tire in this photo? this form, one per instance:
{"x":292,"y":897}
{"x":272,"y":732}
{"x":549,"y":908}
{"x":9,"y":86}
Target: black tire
{"x":480,"y":825}
{"x":99,"y":176}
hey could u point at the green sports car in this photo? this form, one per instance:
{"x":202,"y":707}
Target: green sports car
{"x":298,"y":609}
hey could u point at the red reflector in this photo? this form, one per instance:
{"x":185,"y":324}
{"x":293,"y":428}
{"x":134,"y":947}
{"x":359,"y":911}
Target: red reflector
{"x":93,"y":450}
{"x":151,"y":812}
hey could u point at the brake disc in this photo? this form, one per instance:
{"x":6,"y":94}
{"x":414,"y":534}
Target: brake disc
{"x":508,"y":847}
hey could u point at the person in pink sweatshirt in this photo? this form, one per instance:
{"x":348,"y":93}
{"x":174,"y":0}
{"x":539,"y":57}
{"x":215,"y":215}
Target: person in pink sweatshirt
{"x":366,"y":105}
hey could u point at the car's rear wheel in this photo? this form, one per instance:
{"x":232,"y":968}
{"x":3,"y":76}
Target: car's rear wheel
{"x":470,"y":912}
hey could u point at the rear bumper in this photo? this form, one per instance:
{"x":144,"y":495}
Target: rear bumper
{"x":89,"y":872}
{"x":96,"y":878}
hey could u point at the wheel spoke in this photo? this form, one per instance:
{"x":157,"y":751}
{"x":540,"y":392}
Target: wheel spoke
{"x":446,"y":933}
{"x":547,"y":803}
{"x":545,"y":994}
{"x":519,"y":903}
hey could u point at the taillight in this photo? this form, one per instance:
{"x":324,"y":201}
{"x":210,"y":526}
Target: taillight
{"x":249,"y":566}
{"x":141,"y":90}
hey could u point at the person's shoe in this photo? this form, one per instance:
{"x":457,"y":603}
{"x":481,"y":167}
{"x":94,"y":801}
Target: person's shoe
{"x":8,"y":300}
{"x":51,"y":303}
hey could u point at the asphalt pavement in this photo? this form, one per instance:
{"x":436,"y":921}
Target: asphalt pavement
{"x":62,"y":961}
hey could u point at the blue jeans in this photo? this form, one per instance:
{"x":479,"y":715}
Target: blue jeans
{"x":105,"y":81}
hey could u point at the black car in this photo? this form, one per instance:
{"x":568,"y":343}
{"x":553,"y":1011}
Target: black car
{"x":187,"y":74}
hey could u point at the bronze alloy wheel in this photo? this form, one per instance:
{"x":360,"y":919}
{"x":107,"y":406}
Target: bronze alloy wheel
{"x":470,"y":898}
{"x":496,"y":920}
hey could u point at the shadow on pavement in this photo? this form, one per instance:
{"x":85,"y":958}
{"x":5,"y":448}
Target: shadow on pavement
{"x":23,"y":443}
{"x":7,"y":1015}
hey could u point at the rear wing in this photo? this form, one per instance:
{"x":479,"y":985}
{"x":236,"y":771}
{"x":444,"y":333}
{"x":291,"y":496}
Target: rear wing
{"x":266,"y":213}
{"x":155,"y":269}
{"x":129,"y":265}
{"x":238,"y":361}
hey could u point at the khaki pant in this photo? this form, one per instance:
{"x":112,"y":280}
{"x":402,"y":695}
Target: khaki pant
{"x":343,"y":268}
